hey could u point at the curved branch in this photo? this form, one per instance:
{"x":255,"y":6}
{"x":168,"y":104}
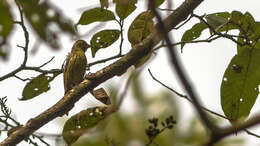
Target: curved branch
{"x":116,"y":69}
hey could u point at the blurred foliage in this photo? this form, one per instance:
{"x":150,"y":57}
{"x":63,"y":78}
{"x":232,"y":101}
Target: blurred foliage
{"x":46,"y":21}
{"x":6,"y":26}
{"x":128,"y":128}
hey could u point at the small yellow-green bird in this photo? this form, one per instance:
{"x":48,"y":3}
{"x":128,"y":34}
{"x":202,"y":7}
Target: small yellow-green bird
{"x":75,"y":66}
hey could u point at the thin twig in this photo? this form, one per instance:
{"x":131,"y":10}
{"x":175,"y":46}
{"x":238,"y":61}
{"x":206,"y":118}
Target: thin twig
{"x":177,"y":27}
{"x":26,"y":79}
{"x":25,"y":48}
{"x":46,"y":63}
{"x":176,"y":66}
{"x":105,"y":60}
{"x":230,"y":37}
{"x":208,"y":40}
{"x":23,"y":66}
{"x":184,"y":96}
{"x":204,"y":108}
{"x":121,"y":24}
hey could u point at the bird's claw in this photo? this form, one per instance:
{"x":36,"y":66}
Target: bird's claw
{"x":90,"y":76}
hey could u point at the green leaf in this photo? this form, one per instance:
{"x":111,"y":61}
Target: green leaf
{"x":216,"y":21}
{"x":96,"y":15}
{"x":243,"y":22}
{"x":193,"y":33}
{"x":124,"y":8}
{"x":225,"y":26}
{"x":256,"y":34}
{"x":239,"y":88}
{"x":78,"y":124}
{"x":103,"y":39}
{"x":6,"y":26}
{"x":241,"y":41}
{"x":37,"y":86}
{"x":45,"y":19}
{"x":141,"y":27}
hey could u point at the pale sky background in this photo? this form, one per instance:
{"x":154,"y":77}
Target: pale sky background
{"x":205,"y":64}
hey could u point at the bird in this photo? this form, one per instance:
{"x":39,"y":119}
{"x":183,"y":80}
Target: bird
{"x":75,"y":65}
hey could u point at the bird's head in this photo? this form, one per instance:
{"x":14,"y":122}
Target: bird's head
{"x":80,"y":44}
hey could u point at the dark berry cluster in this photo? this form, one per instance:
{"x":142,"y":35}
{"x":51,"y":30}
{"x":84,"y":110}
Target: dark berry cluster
{"x":153,"y":130}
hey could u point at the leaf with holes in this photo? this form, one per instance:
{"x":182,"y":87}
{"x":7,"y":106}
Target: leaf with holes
{"x":193,"y":33}
{"x":78,"y":124}
{"x":37,"y":86}
{"x":141,"y":27}
{"x":103,"y":39}
{"x":46,"y":21}
{"x":6,"y":26}
{"x":96,"y":15}
{"x":239,"y":88}
{"x":124,"y":8}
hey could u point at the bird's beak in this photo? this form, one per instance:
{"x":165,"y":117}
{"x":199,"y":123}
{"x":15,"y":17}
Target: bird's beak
{"x":86,"y":47}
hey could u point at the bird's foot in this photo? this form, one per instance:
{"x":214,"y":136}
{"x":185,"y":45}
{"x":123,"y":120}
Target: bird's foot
{"x":90,"y":76}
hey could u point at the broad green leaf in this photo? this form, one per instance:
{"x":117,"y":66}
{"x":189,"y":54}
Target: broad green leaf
{"x":103,"y":39}
{"x":193,"y":33}
{"x":216,"y":21}
{"x":241,"y":41}
{"x":219,"y":21}
{"x":6,"y":26}
{"x":239,"y":88}
{"x":243,"y":22}
{"x":255,"y":36}
{"x":46,"y":20}
{"x":78,"y":124}
{"x":37,"y":86}
{"x":124,"y":8}
{"x":141,"y":27}
{"x":96,"y":15}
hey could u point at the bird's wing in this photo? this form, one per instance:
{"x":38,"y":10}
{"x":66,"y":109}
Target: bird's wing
{"x":74,"y":69}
